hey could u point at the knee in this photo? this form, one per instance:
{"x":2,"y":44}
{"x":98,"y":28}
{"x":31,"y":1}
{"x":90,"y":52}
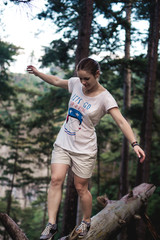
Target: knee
{"x":81,"y":190}
{"x":56,"y":181}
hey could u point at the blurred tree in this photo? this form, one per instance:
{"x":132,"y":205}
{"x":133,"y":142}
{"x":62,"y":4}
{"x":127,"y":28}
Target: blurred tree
{"x":16,"y":173}
{"x":126,"y":105}
{"x":8,"y":52}
{"x":126,"y":102}
{"x":143,"y":171}
{"x":150,"y":82}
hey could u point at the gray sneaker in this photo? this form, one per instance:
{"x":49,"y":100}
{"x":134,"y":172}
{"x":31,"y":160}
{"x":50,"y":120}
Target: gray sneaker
{"x":83,"y":229}
{"x":49,"y":232}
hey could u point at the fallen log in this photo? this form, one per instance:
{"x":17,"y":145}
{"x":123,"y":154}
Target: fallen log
{"x":116,"y":214}
{"x":107,"y":223}
{"x":12,"y":228}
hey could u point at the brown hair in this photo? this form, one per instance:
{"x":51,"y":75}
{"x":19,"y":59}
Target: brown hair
{"x":88,"y":65}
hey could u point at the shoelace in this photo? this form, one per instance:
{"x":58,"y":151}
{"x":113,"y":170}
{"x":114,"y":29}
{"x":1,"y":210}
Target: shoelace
{"x":47,"y":229}
{"x":83,"y":226}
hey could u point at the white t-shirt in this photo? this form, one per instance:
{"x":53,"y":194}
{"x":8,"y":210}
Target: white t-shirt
{"x":78,"y":131}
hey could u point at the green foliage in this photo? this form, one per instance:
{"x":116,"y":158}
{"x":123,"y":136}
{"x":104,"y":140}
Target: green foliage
{"x":58,"y":53}
{"x":31,"y":220}
{"x":8,"y":51}
{"x":67,"y":14}
{"x":15,"y":213}
{"x":142,"y":9}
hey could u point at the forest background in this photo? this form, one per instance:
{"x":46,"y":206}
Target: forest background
{"x":31,"y":112}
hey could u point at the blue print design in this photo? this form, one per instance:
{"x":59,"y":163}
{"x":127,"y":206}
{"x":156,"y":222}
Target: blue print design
{"x":73,"y":121}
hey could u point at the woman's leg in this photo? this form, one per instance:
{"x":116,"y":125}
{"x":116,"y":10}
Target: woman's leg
{"x":58,"y":173}
{"x":81,"y":186}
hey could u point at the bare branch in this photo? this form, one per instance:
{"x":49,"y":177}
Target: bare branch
{"x":21,"y":1}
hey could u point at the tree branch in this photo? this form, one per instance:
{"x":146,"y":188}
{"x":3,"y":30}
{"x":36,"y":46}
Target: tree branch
{"x":12,"y":228}
{"x":21,"y":1}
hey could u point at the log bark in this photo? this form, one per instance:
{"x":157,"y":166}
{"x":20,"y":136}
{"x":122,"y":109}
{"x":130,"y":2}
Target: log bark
{"x":117,"y":214}
{"x":12,"y":228}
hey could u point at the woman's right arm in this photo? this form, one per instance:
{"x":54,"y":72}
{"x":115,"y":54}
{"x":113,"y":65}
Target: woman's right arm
{"x":51,"y":79}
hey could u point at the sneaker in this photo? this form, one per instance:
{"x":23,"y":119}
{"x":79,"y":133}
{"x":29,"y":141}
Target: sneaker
{"x":49,"y":231}
{"x":83,"y":229}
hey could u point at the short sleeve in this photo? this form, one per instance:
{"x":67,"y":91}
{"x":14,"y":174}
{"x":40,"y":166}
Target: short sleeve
{"x":109,"y":102}
{"x":71,"y":83}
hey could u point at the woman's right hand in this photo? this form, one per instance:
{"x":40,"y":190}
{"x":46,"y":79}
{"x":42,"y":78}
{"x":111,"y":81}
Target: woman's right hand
{"x":32,"y":70}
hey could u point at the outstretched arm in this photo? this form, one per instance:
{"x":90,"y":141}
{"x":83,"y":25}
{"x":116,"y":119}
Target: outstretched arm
{"x":53,"y":80}
{"x":127,"y":131}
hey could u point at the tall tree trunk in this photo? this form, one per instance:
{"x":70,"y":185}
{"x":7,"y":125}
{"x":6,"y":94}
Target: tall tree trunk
{"x":84,"y":32}
{"x":98,"y":172}
{"x":9,"y":200}
{"x":126,"y":106}
{"x":9,"y":197}
{"x":71,"y":201}
{"x":146,"y":130}
{"x":70,"y":205}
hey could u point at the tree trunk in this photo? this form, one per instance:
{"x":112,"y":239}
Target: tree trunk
{"x":71,"y":200}
{"x":146,"y":132}
{"x":9,"y":199}
{"x":117,"y":214}
{"x":84,"y":32}
{"x":126,"y":105}
{"x":98,"y":171}
{"x":70,"y":205}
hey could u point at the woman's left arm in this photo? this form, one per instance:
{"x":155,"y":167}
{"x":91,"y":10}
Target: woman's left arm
{"x":127,"y":131}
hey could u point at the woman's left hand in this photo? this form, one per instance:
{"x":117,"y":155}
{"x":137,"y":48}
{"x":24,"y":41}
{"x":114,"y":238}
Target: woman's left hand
{"x":140,"y":153}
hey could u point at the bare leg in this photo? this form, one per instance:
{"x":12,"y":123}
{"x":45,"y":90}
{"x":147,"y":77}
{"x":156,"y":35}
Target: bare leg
{"x":58,"y":173}
{"x":81,"y":186}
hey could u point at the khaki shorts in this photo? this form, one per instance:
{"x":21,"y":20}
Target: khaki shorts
{"x":82,"y":164}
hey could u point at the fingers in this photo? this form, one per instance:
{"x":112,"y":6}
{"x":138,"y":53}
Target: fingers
{"x":30,"y":69}
{"x":140,"y":153}
{"x":142,"y":158}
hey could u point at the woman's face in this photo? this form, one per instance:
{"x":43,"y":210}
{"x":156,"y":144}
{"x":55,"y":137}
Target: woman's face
{"x":88,"y":80}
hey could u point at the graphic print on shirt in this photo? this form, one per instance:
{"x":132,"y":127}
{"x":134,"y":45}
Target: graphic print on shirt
{"x":73,"y":121}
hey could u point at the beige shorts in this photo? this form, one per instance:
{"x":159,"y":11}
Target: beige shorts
{"x":82,"y":164}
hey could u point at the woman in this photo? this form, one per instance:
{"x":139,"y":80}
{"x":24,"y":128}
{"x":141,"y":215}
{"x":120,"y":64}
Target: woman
{"x":76,"y":144}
